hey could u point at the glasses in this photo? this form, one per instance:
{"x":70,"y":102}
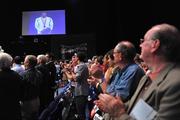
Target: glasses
{"x":141,"y":40}
{"x":115,"y":52}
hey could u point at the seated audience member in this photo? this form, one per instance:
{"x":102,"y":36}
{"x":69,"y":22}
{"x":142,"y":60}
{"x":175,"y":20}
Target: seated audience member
{"x":111,"y":70}
{"x":126,"y":80}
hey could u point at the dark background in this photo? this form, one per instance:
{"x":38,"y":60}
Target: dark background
{"x":100,"y":23}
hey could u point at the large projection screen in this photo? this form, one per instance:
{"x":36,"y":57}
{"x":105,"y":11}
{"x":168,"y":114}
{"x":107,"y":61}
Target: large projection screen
{"x":49,"y":22}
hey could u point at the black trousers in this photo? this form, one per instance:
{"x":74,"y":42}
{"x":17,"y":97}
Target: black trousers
{"x":81,"y":102}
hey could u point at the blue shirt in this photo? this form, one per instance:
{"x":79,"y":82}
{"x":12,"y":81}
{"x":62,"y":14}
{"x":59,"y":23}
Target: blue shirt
{"x":123,"y":80}
{"x":18,"y":68}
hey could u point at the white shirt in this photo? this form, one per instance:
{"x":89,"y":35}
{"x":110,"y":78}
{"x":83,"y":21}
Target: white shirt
{"x":43,"y":24}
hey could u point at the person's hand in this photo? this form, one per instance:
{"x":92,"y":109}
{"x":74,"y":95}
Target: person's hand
{"x":69,"y":75}
{"x":92,"y":80}
{"x":92,"y":113}
{"x":109,"y":104}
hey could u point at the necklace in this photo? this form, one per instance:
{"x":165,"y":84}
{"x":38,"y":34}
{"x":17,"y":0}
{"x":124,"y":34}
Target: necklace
{"x":44,"y":22}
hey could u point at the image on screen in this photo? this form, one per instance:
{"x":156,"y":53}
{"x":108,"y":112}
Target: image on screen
{"x":51,"y":22}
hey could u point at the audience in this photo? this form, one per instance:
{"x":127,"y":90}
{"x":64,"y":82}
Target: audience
{"x":159,"y":88}
{"x":122,"y":78}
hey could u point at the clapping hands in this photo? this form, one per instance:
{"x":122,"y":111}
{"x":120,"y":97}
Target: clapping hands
{"x":109,"y":104}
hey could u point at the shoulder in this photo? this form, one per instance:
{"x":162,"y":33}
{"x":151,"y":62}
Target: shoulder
{"x":82,"y":65}
{"x":49,"y":18}
{"x":171,"y":81}
{"x":173,"y":75}
{"x":38,"y":18}
{"x":134,"y":68}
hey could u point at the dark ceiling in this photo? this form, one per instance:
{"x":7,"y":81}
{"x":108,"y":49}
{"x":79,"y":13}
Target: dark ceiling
{"x":110,"y":20}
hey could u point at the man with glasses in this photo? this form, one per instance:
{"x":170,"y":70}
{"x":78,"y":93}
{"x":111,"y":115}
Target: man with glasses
{"x":126,"y":80}
{"x":157,"y":92}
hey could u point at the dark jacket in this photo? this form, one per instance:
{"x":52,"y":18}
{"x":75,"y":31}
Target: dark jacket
{"x":32,"y":79}
{"x":10,"y":94}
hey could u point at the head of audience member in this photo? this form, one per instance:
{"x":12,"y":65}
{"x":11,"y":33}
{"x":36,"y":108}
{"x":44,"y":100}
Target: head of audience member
{"x":41,"y":59}
{"x":110,"y":58}
{"x":81,"y":56}
{"x":30,"y":61}
{"x":105,"y":59}
{"x":137,"y":59}
{"x":94,"y":58}
{"x":140,"y":62}
{"x":97,"y":72}
{"x":50,"y":56}
{"x":5,"y":61}
{"x":17,"y":60}
{"x":98,"y":60}
{"x":74,"y":60}
{"x":160,"y":44}
{"x":124,"y":53}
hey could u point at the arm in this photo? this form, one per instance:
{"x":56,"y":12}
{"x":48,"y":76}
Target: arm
{"x":80,"y":73}
{"x":128,"y":82}
{"x":51,"y":24}
{"x":37,"y":26}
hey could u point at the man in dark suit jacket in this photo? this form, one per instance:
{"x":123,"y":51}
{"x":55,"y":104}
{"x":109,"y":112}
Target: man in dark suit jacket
{"x":32,"y":82}
{"x":159,"y":89}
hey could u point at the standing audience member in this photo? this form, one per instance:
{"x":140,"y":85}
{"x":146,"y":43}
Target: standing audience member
{"x":10,"y":89}
{"x":52,"y":71}
{"x":45,"y":88}
{"x":159,"y":91}
{"x":80,"y":76}
{"x":32,"y":79}
{"x":17,"y":65}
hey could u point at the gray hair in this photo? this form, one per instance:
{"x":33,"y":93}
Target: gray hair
{"x":1,"y":50}
{"x":5,"y":61}
{"x":42,"y":59}
{"x":32,"y":60}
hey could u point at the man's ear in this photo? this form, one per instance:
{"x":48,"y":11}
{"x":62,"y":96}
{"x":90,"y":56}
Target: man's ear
{"x":155,"y":45}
